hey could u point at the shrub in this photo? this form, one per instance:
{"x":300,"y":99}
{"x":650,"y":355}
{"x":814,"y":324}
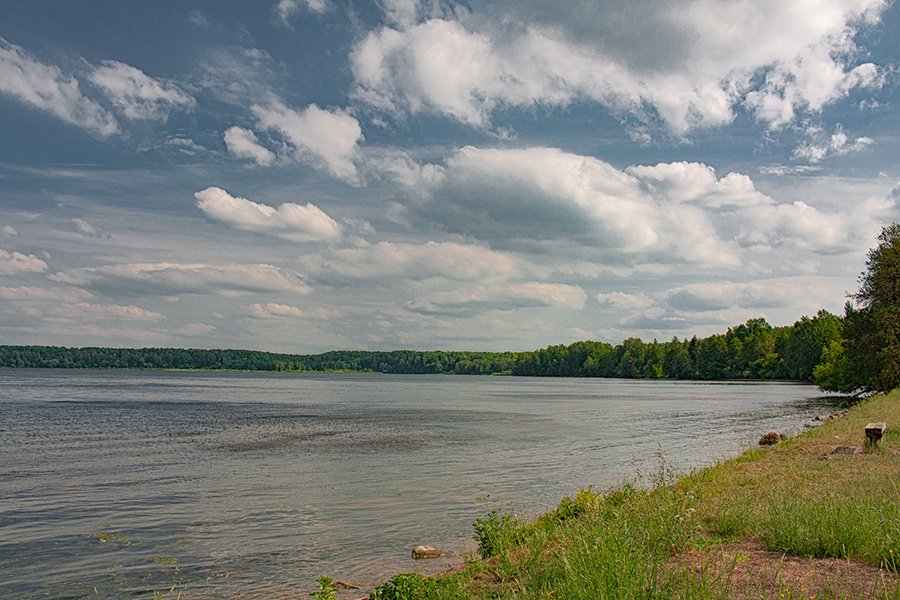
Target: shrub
{"x":496,"y":533}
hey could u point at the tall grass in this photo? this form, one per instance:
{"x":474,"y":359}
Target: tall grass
{"x":836,"y":527}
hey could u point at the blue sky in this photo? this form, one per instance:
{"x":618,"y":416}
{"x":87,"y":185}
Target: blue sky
{"x":308,"y":175}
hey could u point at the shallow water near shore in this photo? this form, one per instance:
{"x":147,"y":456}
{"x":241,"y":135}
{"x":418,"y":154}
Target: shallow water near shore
{"x":119,"y":483}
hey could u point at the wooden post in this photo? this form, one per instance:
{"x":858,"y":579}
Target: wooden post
{"x":874,"y":432}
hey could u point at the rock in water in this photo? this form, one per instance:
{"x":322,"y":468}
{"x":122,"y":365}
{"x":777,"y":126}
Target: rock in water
{"x":769,"y":439}
{"x":426,"y":552}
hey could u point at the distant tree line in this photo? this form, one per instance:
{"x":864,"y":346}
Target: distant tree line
{"x":754,"y":350}
{"x":856,"y":353}
{"x":136,"y":358}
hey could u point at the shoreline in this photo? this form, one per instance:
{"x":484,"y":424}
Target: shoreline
{"x":729,"y":507}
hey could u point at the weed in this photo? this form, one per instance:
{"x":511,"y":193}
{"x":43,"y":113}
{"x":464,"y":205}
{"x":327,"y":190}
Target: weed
{"x":496,"y":533}
{"x":403,"y":586}
{"x":585,"y":501}
{"x":326,"y":589}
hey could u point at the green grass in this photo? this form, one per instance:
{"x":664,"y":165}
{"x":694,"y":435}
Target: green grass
{"x":622,"y":543}
{"x":801,"y":499}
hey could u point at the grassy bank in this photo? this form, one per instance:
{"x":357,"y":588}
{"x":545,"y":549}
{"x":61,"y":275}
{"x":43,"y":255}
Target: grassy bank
{"x":792,"y":521}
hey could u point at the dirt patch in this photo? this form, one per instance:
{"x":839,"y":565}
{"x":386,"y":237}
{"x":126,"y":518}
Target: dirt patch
{"x":746,"y":570}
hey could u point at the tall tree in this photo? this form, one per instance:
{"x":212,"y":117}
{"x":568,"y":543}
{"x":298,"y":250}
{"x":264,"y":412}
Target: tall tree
{"x":872,"y":328}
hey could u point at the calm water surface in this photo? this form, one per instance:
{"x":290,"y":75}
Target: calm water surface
{"x":117,"y":483}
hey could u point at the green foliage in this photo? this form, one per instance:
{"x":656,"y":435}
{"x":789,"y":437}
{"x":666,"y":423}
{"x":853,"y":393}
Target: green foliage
{"x":585,"y":501}
{"x":597,"y":545}
{"x":753,"y":350}
{"x":872,"y":328}
{"x":805,"y":344}
{"x":327,"y":589}
{"x":833,"y":373}
{"x":496,"y":533}
{"x":404,"y":586}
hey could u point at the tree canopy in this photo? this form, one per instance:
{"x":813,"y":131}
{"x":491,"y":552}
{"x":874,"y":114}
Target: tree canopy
{"x":869,"y":358}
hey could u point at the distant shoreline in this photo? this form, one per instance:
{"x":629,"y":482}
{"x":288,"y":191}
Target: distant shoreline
{"x":749,"y":352}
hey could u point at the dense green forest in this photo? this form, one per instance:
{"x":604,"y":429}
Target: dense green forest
{"x":859,"y":352}
{"x":754,"y":350}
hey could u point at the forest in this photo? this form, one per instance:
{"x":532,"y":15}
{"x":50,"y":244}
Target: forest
{"x":753,"y":350}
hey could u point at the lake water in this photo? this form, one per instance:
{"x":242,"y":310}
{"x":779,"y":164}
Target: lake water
{"x":118,"y":483}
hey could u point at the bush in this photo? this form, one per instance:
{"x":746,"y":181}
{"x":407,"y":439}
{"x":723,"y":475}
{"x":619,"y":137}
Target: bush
{"x":585,"y":501}
{"x":496,"y":533}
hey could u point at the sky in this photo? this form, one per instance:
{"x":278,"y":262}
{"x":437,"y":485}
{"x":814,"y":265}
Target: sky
{"x":310,"y":175}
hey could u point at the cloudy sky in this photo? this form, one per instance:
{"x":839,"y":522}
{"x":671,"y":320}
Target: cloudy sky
{"x":308,"y":175}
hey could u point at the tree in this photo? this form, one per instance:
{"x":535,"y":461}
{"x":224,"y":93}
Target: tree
{"x":806,"y":342}
{"x":872,"y":328}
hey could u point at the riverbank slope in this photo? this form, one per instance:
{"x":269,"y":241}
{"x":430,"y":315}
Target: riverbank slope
{"x":816,"y":516}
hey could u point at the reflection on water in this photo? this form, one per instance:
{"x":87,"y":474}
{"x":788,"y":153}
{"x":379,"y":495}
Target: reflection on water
{"x":121,"y":482}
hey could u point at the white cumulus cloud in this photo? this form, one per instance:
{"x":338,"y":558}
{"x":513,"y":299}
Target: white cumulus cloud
{"x":273,"y":310}
{"x":665,"y":213}
{"x":243,"y":143}
{"x":546,"y":195}
{"x":688,"y":66}
{"x":289,"y":221}
{"x":326,"y":138}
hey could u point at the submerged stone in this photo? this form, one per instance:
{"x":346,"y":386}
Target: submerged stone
{"x":426,"y":552}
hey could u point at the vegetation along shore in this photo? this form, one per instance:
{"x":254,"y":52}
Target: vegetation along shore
{"x":815,"y":516}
